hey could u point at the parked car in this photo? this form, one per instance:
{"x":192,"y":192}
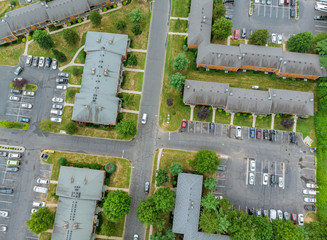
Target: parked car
{"x":280,"y":2}
{"x":54,"y":64}
{"x":265,"y":213}
{"x":144,"y":118}
{"x":57,"y":120}
{"x":320,"y":17}
{"x":286,"y":216}
{"x":292,"y":12}
{"x":309,"y":200}
{"x":29,"y":93}
{"x":280,"y":182}
{"x":12,"y":169}
{"x":265,"y":179}
{"x":184,"y":125}
{"x":236,"y":34}
{"x":287,"y":2}
{"x":24,"y":119}
{"x":135,"y":237}
{"x":48,"y":62}
{"x":3,"y":228}
{"x":229,"y":17}
{"x":29,"y":60}
{"x":311,"y":185}
{"x":272,"y":135}
{"x":280,"y":39}
{"x":273,"y":180}
{"x":13,"y":162}
{"x":40,"y":189}
{"x":300,"y":219}
{"x":18,"y":70}
{"x":258,"y":213}
{"x":273,"y":37}
{"x":263,"y":1}
{"x":14,"y":155}
{"x":310,"y":207}
{"x":57,"y":100}
{"x":42,"y":181}
{"x":309,"y":192}
{"x":57,"y":106}
{"x":251,"y":211}
{"x":63,"y":74}
{"x":292,"y":137}
{"x":293,"y":218}
{"x":258,"y":133}
{"x":35,"y":61}
{"x":3,"y":154}
{"x":252,"y":165}
{"x":6,"y":190}
{"x":3,"y":214}
{"x":33,"y":210}
{"x":238,"y":132}
{"x":56,"y":112}
{"x":251,"y":178}
{"x":280,"y":214}
{"x":212,"y":127}
{"x":268,"y":2}
{"x":243,"y":32}
{"x":38,"y":204}
{"x":41,"y":62}
{"x":272,"y":214}
{"x":16,"y":91}
{"x":221,"y":168}
{"x":61,"y":87}
{"x":147,"y":187}
{"x":252,"y":132}
{"x":61,"y":80}
{"x":26,"y":105}
{"x":265,"y":134}
{"x":293,"y":2}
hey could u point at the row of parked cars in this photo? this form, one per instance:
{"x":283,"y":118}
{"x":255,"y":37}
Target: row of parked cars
{"x":274,"y":180}
{"x":57,"y":106}
{"x":278,"y":214}
{"x":39,"y":189}
{"x":280,"y":2}
{"x":41,"y":62}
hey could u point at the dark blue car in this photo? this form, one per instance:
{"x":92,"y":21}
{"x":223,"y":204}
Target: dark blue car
{"x":252,"y":132}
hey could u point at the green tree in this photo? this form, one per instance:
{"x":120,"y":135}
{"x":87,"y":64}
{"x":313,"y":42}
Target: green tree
{"x":285,"y":230}
{"x":224,"y":204}
{"x":147,"y":211}
{"x":62,"y":161}
{"x":300,"y":42}
{"x":259,"y":37}
{"x":95,"y":18}
{"x":316,"y":230}
{"x":70,"y":36}
{"x":116,"y":205}
{"x":219,"y":10}
{"x":157,"y":236}
{"x":107,"y":228}
{"x":61,"y":57}
{"x":120,"y":25}
{"x":161,"y":177}
{"x":323,"y":61}
{"x":319,"y":37}
{"x":209,"y":203}
{"x":135,"y":16}
{"x":177,"y":81}
{"x":223,"y":223}
{"x":8,"y":124}
{"x":45,"y":125}
{"x":132,"y":60}
{"x":321,"y":47}
{"x":208,"y":222}
{"x":41,"y":220}
{"x":263,"y":228}
{"x":164,"y":199}
{"x":70,"y":128}
{"x":210,"y":183}
{"x":136,"y":29}
{"x":126,"y":128}
{"x":180,"y":62}
{"x":222,"y":28}
{"x":241,"y":225}
{"x":205,"y":161}
{"x":43,"y":39}
{"x":175,"y":169}
{"x":169,"y":234}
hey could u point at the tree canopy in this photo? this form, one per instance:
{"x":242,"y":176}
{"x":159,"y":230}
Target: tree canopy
{"x":285,"y":230}
{"x":61,"y":57}
{"x":321,"y":47}
{"x":300,"y":42}
{"x":147,"y":212}
{"x":175,"y":169}
{"x":120,"y":25}
{"x":259,"y":37}
{"x":43,"y":39}
{"x":135,"y":16}
{"x":70,"y":36}
{"x":180,"y":62}
{"x":208,"y":222}
{"x":95,"y":18}
{"x":126,"y":128}
{"x":41,"y":220}
{"x":209,"y":203}
{"x":161,"y":177}
{"x":205,"y":161}
{"x":241,"y":225}
{"x":219,"y":10}
{"x":164,"y":199}
{"x":116,"y":205}
{"x":177,"y":81}
{"x":71,"y":128}
{"x":210,"y":183}
{"x":263,"y":228}
{"x":222,"y":28}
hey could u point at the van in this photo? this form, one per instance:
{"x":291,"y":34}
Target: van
{"x":56,"y":112}
{"x":14,"y":155}
{"x":38,"y":204}
{"x":238,"y":132}
{"x":144,"y":117}
{"x":40,"y":189}
{"x":13,"y":162}
{"x":281,"y":2}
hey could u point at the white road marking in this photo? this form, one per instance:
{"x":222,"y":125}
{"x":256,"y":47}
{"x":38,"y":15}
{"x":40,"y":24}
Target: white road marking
{"x":5,"y":202}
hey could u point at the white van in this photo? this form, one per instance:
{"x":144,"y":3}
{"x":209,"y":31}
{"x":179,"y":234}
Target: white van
{"x":238,"y":132}
{"x":12,"y":162}
{"x":56,"y":112}
{"x":40,"y":189}
{"x":38,"y":204}
{"x":144,"y":117}
{"x":14,"y":155}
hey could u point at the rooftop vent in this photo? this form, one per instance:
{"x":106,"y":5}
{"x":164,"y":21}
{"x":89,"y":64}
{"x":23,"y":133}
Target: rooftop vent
{"x":6,"y":15}
{"x":86,"y":106}
{"x":227,"y":89}
{"x":92,"y":71}
{"x":66,"y":224}
{"x":284,"y":62}
{"x":111,"y":41}
{"x":239,"y":57}
{"x":105,"y":72}
{"x":75,"y":226}
{"x":42,"y":3}
{"x":72,"y":178}
{"x":98,"y":40}
{"x":269,"y":98}
{"x":46,"y":5}
{"x":231,"y":94}
{"x":281,"y":59}
{"x":188,"y":86}
{"x":85,"y":180}
{"x":311,"y":99}
{"x":274,"y":95}
{"x":99,"y":108}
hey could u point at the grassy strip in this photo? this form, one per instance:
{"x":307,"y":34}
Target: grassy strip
{"x":263,"y":122}
{"x":51,"y":196}
{"x":75,"y":80}
{"x":140,"y":60}
{"x":275,"y":45}
{"x":133,"y":81}
{"x":118,"y":226}
{"x":222,"y":117}
{"x":130,"y":101}
{"x":71,"y":92}
{"x":28,"y":87}
{"x":208,"y":119}
{"x":119,"y":179}
{"x":243,"y":120}
{"x":178,"y":25}
{"x":12,"y":124}
{"x":45,"y":236}
{"x":306,"y":127}
{"x":180,"y":8}
{"x":234,"y":42}
{"x":277,"y":125}
{"x":81,"y":57}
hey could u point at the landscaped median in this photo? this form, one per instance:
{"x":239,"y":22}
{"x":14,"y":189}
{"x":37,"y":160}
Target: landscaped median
{"x":132,"y":81}
{"x":12,"y":124}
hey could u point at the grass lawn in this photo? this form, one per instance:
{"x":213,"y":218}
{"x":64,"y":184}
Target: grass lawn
{"x":71,"y":92}
{"x":76,"y":80}
{"x":177,"y":26}
{"x":133,"y":81}
{"x":234,"y":42}
{"x":222,"y":118}
{"x":275,"y":45}
{"x":119,"y":179}
{"x":180,"y":8}
{"x":195,"y":117}
{"x":154,"y":169}
{"x":264,"y":123}
{"x":45,"y":236}
{"x":243,"y":120}
{"x":9,"y":55}
{"x":215,"y":41}
{"x":51,"y":198}
{"x":4,"y":6}
{"x":118,"y":229}
{"x":140,"y":60}
{"x":277,"y":125}
{"x":306,"y":127}
{"x":130,"y":101}
{"x":81,"y":57}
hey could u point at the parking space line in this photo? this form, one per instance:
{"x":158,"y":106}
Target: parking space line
{"x":5,"y":202}
{"x":264,"y":11}
{"x":247,"y":171}
{"x":271,"y":11}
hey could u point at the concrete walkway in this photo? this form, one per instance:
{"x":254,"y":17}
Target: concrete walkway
{"x":114,"y":188}
{"x":295,"y":122}
{"x":76,"y":54}
{"x":254,"y":119}
{"x":53,"y":181}
{"x":214,"y":114}
{"x":133,"y":70}
{"x":26,"y":46}
{"x":176,"y":33}
{"x":228,"y":40}
{"x":68,"y":104}
{"x":72,"y":85}
{"x":52,"y":204}
{"x":175,"y":18}
{"x":232,"y":119}
{"x":192,"y":112}
{"x":129,"y":91}
{"x":71,"y":65}
{"x":136,"y":50}
{"x":272,"y":121}
{"x":129,"y":111}
{"x":106,"y":237}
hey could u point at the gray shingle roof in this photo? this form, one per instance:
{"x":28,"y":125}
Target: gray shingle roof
{"x":78,"y":189}
{"x":199,"y":22}
{"x":4,"y":30}
{"x":60,"y":9}
{"x":187,"y":208}
{"x":97,"y":101}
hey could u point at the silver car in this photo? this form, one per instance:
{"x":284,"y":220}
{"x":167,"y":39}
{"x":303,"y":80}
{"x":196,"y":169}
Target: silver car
{"x":272,"y":214}
{"x":29,"y":93}
{"x":26,"y":105}
{"x":29,"y":60}
{"x":309,"y":192}
{"x":251,"y":178}
{"x":280,"y":214}
{"x":57,"y":120}
{"x":41,"y":62}
{"x":14,"y":98}
{"x":265,"y":179}
{"x":57,"y":100}
{"x":309,"y":200}
{"x":252,"y":165}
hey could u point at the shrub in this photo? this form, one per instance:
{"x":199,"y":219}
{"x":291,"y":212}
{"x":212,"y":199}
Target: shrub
{"x":95,"y":18}
{"x":132,"y":60}
{"x":136,"y":16}
{"x":115,"y":5}
{"x":71,"y":36}
{"x":29,"y":38}
{"x":61,"y":57}
{"x":170,"y":101}
{"x":287,"y":122}
{"x":62,"y":161}
{"x":70,"y":93}
{"x":110,"y":167}
{"x":124,"y":3}
{"x":79,"y":20}
{"x":203,"y":113}
{"x":76,"y":71}
{"x":136,"y":29}
{"x":12,"y":3}
{"x":24,"y":40}
{"x":19,"y":40}
{"x":69,"y":24}
{"x":71,"y":128}
{"x":161,"y":177}
{"x":120,"y":25}
{"x":104,"y":9}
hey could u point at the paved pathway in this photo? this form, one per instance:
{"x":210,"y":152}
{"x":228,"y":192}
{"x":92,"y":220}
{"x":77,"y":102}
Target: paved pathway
{"x":295,"y":122}
{"x":53,"y":181}
{"x":232,"y":119}
{"x":254,"y":120}
{"x":272,"y":121}
{"x":228,"y":40}
{"x":115,"y":188}
{"x":106,"y":237}
{"x":129,"y":91}
{"x":177,"y":33}
{"x":69,"y":104}
{"x":214,"y":114}
{"x":192,"y":112}
{"x":133,"y":70}
{"x":71,"y":64}
{"x":76,"y":54}
{"x":73,"y":85}
{"x":175,"y":18}
{"x":129,"y":111}
{"x":26,"y":46}
{"x":52,"y":204}
{"x":137,"y":50}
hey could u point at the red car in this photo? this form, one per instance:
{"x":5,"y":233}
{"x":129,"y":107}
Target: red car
{"x":287,"y":2}
{"x":184,"y":124}
{"x":258,"y":133}
{"x":236,"y":34}
{"x":293,"y":218}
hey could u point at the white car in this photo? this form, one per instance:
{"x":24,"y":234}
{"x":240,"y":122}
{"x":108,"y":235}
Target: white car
{"x":265,"y":179}
{"x":61,"y":87}
{"x":57,"y":120}
{"x":57,"y":100}
{"x":38,"y":204}
{"x":34,"y":210}
{"x":29,"y":93}
{"x":54,"y":64}
{"x":26,"y":105}
{"x":63,"y":74}
{"x":280,"y":214}
{"x":14,"y":98}
{"x":40,"y":189}
{"x":238,"y":132}
{"x":41,"y":62}
{"x":273,"y":37}
{"x":3,"y":214}
{"x":29,"y":60}
{"x":3,"y":228}
{"x":256,"y":1}
{"x":252,"y":165}
{"x":42,"y":181}
{"x":280,"y":39}
{"x":272,"y":214}
{"x":309,"y":192}
{"x":135,"y":237}
{"x":281,"y":182}
{"x":300,"y":219}
{"x":309,"y":200}
{"x":311,"y":185}
{"x":251,"y":178}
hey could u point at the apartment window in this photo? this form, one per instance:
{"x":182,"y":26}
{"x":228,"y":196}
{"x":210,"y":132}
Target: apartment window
{"x":76,"y":16}
{"x":112,"y":2}
{"x":29,"y":29}
{"x":11,"y":38}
